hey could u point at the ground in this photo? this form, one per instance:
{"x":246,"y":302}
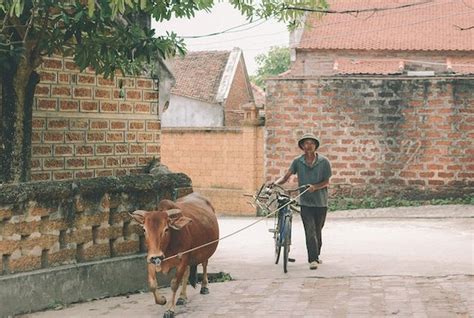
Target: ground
{"x":396,"y":262}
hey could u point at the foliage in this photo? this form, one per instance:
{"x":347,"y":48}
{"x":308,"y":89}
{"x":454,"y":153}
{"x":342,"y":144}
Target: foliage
{"x":107,"y":35}
{"x":275,"y":62}
{"x":95,"y":36}
{"x":336,"y":204}
{"x":104,"y":34}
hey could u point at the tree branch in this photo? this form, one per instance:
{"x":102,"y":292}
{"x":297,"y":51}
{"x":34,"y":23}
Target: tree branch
{"x":30,"y":22}
{"x":18,"y":26}
{"x":4,"y":23}
{"x":464,"y":29}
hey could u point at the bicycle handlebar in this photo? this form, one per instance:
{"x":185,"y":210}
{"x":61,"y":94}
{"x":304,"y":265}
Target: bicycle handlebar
{"x":265,"y":191}
{"x":303,"y":187}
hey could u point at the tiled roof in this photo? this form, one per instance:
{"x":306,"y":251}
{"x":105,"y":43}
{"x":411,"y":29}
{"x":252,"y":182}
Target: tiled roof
{"x":429,"y":26}
{"x":258,"y":95}
{"x":347,"y":66}
{"x":198,"y":74}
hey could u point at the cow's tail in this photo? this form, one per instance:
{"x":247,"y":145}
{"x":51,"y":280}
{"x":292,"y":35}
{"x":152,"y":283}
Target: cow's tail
{"x":193,"y":275}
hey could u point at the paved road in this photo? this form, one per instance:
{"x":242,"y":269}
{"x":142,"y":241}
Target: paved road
{"x":405,"y":262}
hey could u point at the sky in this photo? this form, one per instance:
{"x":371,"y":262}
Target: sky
{"x":255,"y":38}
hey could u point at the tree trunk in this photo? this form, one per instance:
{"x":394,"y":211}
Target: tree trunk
{"x":18,"y":87}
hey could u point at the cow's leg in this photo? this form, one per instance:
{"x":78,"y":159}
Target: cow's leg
{"x":204,"y":289}
{"x":183,"y":297}
{"x":159,"y":299}
{"x":180,"y":270}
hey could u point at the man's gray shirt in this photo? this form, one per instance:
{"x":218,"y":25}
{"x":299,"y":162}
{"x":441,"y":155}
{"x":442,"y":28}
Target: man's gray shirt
{"x":318,"y":172}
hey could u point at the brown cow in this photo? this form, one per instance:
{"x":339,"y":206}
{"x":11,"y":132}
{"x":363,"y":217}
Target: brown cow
{"x":173,"y":228}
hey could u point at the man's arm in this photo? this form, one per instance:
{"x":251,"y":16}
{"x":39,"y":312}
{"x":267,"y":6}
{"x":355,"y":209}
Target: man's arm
{"x":318,"y":186}
{"x":284,"y":178}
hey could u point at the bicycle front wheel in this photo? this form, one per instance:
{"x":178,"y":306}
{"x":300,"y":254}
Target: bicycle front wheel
{"x":277,"y":247}
{"x":286,"y":243}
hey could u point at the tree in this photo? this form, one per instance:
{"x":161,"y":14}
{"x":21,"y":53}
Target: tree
{"x":107,"y":35}
{"x":275,"y":62}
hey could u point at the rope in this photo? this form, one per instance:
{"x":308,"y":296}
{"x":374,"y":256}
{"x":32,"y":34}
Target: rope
{"x":179,"y":255}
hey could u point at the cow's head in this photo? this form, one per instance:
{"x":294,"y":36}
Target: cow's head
{"x":158,"y":226}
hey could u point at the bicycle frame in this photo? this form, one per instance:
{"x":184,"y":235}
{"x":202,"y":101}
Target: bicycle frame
{"x":283,"y":218}
{"x":283,"y":213}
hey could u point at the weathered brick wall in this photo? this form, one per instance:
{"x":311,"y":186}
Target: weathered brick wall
{"x":224,"y":164}
{"x":52,"y":223}
{"x":409,"y":137}
{"x":85,"y":126}
{"x":239,"y":94}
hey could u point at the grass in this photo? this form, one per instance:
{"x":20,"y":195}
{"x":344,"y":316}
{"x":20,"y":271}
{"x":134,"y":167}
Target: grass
{"x":55,"y":305}
{"x":336,"y":204}
{"x":216,"y":277}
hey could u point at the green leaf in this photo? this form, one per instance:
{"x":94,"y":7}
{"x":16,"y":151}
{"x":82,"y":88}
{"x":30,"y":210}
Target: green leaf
{"x":91,"y":7}
{"x":121,"y":6}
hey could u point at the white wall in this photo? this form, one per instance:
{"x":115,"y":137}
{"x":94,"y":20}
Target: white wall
{"x":188,"y":112}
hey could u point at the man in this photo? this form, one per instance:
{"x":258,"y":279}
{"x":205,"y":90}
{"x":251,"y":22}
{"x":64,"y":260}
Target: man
{"x":314,"y":169}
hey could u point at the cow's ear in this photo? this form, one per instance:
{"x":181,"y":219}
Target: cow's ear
{"x":139,"y":216}
{"x":179,"y":223}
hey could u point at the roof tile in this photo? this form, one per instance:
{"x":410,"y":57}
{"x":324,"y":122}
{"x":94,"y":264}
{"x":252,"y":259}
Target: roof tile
{"x":198,"y":74}
{"x":427,"y":27}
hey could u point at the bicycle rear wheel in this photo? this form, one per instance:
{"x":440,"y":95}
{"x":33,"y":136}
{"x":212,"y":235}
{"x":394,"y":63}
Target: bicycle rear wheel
{"x":286,"y":243}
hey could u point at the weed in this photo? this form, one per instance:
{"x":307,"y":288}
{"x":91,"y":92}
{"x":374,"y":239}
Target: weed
{"x":55,"y":305}
{"x":216,"y":277}
{"x":372,"y":203}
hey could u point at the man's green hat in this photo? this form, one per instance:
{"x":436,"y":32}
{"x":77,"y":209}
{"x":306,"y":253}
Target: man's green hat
{"x":308,"y":136}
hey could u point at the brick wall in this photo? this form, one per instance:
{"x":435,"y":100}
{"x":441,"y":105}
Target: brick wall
{"x":384,"y":136}
{"x":239,"y":94}
{"x":224,"y":164}
{"x":86,"y":126}
{"x":52,"y":223}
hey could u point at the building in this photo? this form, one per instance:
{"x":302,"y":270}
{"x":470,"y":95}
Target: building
{"x":421,"y":39}
{"x":388,"y":91}
{"x":211,"y":88}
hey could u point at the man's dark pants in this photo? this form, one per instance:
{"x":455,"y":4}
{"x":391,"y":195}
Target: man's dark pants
{"x":313,"y":221}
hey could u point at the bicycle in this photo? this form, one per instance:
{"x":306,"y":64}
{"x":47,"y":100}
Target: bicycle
{"x":283,"y":217}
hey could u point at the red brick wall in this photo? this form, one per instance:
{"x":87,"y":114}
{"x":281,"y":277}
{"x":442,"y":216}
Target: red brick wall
{"x":384,"y":136}
{"x":83,"y":127}
{"x":239,"y":94}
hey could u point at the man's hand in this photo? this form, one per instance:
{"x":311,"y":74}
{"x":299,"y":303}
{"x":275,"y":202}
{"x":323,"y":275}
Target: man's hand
{"x":312,"y":188}
{"x":318,"y":186}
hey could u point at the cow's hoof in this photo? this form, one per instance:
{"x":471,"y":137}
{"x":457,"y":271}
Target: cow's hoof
{"x":168,"y":314}
{"x":161,"y":301}
{"x":204,"y":290}
{"x":181,"y":301}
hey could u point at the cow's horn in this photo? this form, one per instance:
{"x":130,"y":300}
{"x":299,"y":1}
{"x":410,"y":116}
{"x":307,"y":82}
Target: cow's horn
{"x":138,"y":215}
{"x":173,"y":212}
{"x":139,"y":212}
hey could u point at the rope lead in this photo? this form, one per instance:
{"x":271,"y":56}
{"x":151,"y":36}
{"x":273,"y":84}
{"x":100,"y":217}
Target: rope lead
{"x":180,"y":255}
